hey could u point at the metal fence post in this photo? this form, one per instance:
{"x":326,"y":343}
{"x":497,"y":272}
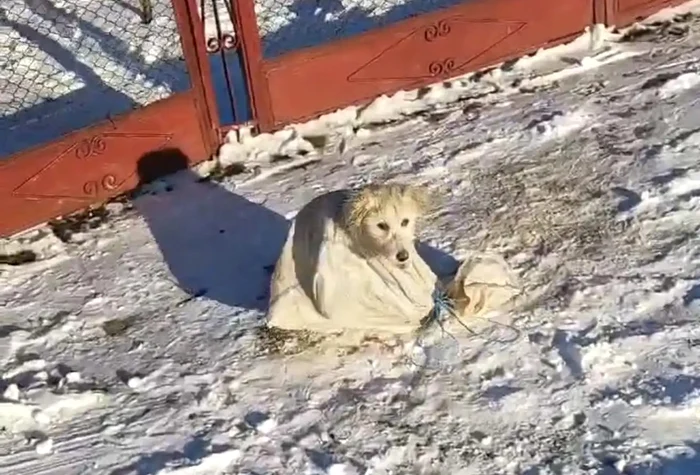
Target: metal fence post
{"x":246,"y":24}
{"x":191,"y":36}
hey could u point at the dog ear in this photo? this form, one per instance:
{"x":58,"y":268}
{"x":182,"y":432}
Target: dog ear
{"x":420,"y":197}
{"x":359,"y":205}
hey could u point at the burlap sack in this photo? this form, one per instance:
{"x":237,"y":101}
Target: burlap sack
{"x":342,"y":291}
{"x":321,"y":285}
{"x":483,"y":283}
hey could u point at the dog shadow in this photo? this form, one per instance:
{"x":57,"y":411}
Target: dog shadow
{"x":215,"y":243}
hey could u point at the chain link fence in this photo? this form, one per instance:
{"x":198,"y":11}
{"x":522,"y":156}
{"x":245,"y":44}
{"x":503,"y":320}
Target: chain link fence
{"x":287,"y":25}
{"x":66,"y":64}
{"x":216,"y":11}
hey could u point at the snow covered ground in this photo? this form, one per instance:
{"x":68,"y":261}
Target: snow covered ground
{"x":132,"y":344}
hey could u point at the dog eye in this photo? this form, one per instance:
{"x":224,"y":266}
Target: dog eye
{"x":404,"y":223}
{"x":383,"y":226}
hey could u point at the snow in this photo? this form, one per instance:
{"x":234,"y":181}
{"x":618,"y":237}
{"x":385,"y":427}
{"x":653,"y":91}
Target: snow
{"x":679,"y":84}
{"x":134,"y":345}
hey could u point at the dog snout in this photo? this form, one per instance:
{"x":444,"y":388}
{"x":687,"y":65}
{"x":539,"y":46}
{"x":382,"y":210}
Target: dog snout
{"x":402,"y":255}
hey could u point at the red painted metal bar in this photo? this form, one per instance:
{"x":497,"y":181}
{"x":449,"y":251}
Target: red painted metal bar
{"x":193,"y":44}
{"x":246,"y":24}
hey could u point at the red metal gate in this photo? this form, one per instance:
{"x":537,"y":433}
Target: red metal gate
{"x":238,"y":75}
{"x":415,"y":52}
{"x":301,"y":84}
{"x":296,"y":85}
{"x":72,"y":170}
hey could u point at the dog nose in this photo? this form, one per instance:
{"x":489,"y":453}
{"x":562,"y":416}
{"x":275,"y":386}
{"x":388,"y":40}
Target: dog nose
{"x":402,"y":255}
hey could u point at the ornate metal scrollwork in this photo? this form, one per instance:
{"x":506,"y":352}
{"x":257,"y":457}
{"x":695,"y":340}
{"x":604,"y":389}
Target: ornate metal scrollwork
{"x":436,"y":30}
{"x":90,"y":147}
{"x":227,"y":41}
{"x":438,"y":68}
{"x":107,"y":183}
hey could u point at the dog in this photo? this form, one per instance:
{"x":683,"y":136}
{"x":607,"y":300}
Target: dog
{"x":344,"y":245}
{"x":380,"y":220}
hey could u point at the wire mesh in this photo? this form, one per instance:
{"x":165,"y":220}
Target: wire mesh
{"x":66,"y":64}
{"x":287,"y":25}
{"x":217,"y":16}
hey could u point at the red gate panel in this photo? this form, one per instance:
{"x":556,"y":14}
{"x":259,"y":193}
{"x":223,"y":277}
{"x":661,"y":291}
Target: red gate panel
{"x":626,"y":12}
{"x":414,"y":52}
{"x":95,"y":163}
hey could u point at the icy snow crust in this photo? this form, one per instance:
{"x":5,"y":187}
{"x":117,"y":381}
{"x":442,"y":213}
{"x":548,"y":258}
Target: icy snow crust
{"x":134,"y":347}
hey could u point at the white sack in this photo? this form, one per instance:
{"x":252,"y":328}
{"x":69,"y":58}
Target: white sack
{"x":321,"y":285}
{"x":483,"y":283}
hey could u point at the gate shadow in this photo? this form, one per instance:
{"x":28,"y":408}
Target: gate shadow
{"x":216,"y":243}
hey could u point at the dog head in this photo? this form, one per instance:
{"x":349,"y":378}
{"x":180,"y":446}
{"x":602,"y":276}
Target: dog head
{"x":381,"y":220}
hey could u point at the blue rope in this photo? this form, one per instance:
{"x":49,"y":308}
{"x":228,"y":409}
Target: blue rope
{"x":443,"y":309}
